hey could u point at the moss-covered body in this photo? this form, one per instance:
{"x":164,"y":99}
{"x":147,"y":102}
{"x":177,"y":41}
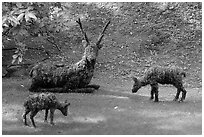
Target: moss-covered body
{"x":60,"y":76}
{"x":44,"y":101}
{"x":50,"y":75}
{"x":161,"y":75}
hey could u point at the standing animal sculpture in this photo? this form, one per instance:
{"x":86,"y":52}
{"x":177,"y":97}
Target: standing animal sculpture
{"x":44,"y":101}
{"x":161,"y":75}
{"x":59,"y":76}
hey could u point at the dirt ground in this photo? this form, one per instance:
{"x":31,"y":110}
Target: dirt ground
{"x":113,"y":109}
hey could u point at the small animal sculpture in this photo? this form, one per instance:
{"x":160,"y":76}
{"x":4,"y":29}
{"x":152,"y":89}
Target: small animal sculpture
{"x":161,"y":75}
{"x":44,"y":101}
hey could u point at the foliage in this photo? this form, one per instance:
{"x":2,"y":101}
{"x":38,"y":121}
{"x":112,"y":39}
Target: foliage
{"x":158,"y":23}
{"x":23,"y":21}
{"x":162,"y":22}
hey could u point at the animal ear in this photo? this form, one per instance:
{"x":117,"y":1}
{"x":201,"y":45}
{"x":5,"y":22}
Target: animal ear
{"x":134,"y":78}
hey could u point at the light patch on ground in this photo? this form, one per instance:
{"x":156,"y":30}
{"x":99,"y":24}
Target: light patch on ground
{"x":119,"y":97}
{"x":9,"y":112}
{"x":12,"y":107}
{"x":62,"y":120}
{"x":154,"y":114}
{"x":180,"y":122}
{"x":166,"y":114}
{"x":15,"y":127}
{"x":117,"y":108}
{"x":94,"y":120}
{"x":9,"y":117}
{"x":173,"y":120}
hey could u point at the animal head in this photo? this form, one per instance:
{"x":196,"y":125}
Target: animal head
{"x":64,"y":108}
{"x":92,"y":48}
{"x":136,"y":85}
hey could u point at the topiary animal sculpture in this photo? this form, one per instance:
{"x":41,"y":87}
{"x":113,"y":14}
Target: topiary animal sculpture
{"x":58,"y":76}
{"x":161,"y":75}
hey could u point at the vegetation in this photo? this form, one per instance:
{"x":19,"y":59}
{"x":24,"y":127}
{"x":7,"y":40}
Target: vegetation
{"x":140,"y":35}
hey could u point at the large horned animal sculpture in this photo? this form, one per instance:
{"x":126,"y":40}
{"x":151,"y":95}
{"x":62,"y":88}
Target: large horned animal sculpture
{"x":58,"y":76}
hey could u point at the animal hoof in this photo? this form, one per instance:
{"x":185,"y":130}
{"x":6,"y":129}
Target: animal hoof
{"x":52,"y":124}
{"x":175,"y":99}
{"x":34,"y":127}
{"x":180,"y":101}
{"x":151,"y":98}
{"x":26,"y":125}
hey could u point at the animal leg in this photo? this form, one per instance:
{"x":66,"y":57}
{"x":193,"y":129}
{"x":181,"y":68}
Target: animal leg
{"x":32,"y":115}
{"x":46,"y":113}
{"x":52,"y":116}
{"x":180,"y":88}
{"x":156,"y":92}
{"x":183,"y":94}
{"x":177,"y":94}
{"x":152,"y":93}
{"x":24,"y":117}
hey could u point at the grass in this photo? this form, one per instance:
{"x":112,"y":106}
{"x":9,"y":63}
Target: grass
{"x":110,"y":110}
